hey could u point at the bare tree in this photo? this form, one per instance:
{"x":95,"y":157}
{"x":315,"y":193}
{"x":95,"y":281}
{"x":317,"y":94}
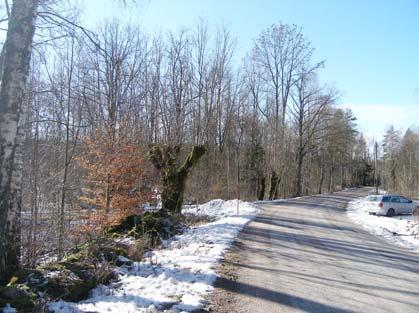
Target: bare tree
{"x":15,"y":69}
{"x":308,"y":111}
{"x":281,"y":51}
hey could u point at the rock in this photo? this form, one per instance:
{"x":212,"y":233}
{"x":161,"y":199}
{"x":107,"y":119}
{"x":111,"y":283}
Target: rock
{"x":71,"y":279}
{"x":74,"y":280}
{"x":123,"y":261}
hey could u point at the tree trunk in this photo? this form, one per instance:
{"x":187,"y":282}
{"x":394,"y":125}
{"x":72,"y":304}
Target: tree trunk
{"x":331,"y":188}
{"x":16,"y":62}
{"x":173,"y":179}
{"x":343,"y":178}
{"x":321,"y":179}
{"x":298,"y":187}
{"x":33,"y":231}
{"x":273,"y":192}
{"x":66,"y":160}
{"x":261,"y":188}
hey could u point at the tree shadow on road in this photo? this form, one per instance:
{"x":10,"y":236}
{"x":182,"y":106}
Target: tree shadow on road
{"x":304,"y":238}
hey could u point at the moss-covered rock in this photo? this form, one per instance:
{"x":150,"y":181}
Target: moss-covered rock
{"x":126,"y":224}
{"x":155,"y":225}
{"x":69,"y":287}
{"x":103,"y":249}
{"x":73,"y":278}
{"x":111,"y":253}
{"x":72,"y":281}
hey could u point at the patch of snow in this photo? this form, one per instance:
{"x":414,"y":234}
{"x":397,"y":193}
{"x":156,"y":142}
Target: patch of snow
{"x":127,"y":240}
{"x":177,"y":277}
{"x":123,"y":259}
{"x":53,"y":274}
{"x":148,"y":207}
{"x":402,"y":230}
{"x":9,"y":309}
{"x":215,"y":208}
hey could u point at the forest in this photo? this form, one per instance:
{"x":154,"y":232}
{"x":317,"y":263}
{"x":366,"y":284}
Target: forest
{"x":97,"y":125}
{"x":399,"y":163}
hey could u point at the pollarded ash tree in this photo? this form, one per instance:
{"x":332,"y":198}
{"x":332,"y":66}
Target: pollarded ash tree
{"x":173,"y":176}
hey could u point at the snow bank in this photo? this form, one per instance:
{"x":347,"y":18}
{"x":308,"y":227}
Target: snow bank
{"x":216,"y":209}
{"x":177,"y":277}
{"x":402,"y":230}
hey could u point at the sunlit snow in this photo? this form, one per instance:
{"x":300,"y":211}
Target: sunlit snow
{"x":177,"y":277}
{"x":401,"y":229}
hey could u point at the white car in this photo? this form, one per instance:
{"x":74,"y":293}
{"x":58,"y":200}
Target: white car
{"x":390,"y":205}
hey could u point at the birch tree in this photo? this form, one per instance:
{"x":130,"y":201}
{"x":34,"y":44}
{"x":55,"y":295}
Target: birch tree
{"x":15,"y":69}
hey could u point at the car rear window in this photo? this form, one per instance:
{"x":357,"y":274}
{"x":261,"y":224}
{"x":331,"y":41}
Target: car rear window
{"x":372,"y":198}
{"x":386,"y":199}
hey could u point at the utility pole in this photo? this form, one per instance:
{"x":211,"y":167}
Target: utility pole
{"x":376,"y":167}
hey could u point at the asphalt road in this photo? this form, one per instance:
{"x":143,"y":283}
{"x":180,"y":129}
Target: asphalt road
{"x":305,"y":255}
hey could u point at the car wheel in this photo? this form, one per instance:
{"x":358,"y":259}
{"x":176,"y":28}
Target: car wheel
{"x":390,"y":213}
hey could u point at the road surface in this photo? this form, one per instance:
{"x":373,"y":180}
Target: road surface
{"x":305,"y":255}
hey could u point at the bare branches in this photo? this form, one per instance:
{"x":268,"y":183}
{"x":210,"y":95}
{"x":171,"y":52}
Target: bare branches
{"x":56,"y":19}
{"x":268,"y":120}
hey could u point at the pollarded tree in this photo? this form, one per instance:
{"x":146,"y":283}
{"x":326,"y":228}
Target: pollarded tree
{"x":173,"y":176}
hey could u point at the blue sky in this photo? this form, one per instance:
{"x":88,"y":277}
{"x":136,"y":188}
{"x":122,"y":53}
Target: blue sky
{"x":371,"y":47}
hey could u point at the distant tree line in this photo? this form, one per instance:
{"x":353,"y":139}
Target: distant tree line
{"x":399,"y":162}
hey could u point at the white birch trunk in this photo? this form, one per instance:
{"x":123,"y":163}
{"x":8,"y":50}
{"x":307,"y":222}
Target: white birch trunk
{"x":15,"y":70}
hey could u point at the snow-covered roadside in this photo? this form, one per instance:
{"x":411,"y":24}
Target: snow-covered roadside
{"x":177,"y":277}
{"x":402,"y":230}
